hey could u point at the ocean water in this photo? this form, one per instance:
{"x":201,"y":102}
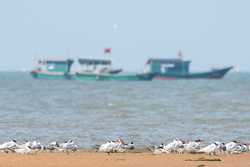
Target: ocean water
{"x":143,"y":112}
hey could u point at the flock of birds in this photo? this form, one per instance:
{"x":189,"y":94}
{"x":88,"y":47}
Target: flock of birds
{"x":118,"y":146}
{"x":197,"y":146}
{"x":29,"y":147}
{"x":180,"y":146}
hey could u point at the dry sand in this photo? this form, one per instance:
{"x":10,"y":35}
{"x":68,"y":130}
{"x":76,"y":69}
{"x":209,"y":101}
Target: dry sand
{"x":87,"y":159}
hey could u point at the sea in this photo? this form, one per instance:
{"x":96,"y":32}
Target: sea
{"x":145,"y":112}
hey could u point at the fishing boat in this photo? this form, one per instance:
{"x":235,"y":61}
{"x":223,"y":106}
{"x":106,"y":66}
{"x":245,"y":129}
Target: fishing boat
{"x":179,"y":69}
{"x":101,"y":70}
{"x":126,"y":77}
{"x":52,"y":69}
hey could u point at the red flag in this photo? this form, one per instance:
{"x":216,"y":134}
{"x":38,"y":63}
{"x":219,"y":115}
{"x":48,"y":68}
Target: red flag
{"x":107,"y":50}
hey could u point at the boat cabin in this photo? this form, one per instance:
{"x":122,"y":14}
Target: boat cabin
{"x":94,"y":65}
{"x":50,"y":65}
{"x":94,"y":62}
{"x":168,"y":66}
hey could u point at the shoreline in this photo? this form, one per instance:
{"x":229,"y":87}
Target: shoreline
{"x":145,"y":159}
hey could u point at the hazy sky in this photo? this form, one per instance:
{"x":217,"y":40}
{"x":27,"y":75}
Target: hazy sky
{"x":209,"y":32}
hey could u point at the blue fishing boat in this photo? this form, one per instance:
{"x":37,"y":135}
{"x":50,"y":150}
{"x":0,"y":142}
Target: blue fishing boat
{"x":179,"y":69}
{"x":53,"y":69}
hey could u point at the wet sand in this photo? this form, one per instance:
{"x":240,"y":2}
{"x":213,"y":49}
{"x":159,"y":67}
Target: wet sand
{"x":88,"y":159}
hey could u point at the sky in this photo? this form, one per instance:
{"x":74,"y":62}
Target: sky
{"x":211,"y":33}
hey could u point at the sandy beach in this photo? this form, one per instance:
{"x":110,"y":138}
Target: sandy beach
{"x":86,"y":159}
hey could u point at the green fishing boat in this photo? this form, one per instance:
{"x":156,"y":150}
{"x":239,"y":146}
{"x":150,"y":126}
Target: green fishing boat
{"x":52,"y":69}
{"x":128,"y":77}
{"x":113,"y":77}
{"x":101,"y":70}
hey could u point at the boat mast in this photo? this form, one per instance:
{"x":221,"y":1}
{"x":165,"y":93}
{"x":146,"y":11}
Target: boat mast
{"x":182,"y":62}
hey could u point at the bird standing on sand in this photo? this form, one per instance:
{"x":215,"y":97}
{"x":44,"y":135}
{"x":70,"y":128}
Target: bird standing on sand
{"x":68,"y":146}
{"x":192,"y":146}
{"x":115,"y":146}
{"x":176,"y":146}
{"x":53,"y":146}
{"x":8,"y":145}
{"x":214,"y":148}
{"x":236,"y":147}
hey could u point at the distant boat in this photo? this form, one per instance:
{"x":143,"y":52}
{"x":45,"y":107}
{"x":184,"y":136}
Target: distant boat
{"x":52,"y":69}
{"x":179,"y":69}
{"x":100,"y":70}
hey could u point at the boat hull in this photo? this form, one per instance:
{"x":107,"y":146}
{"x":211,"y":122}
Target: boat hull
{"x":110,"y":77}
{"x":214,"y":74}
{"x":86,"y":77}
{"x":38,"y":75}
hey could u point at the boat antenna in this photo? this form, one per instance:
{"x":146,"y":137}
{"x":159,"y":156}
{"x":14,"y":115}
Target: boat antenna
{"x":180,"y":55}
{"x":182,"y":62}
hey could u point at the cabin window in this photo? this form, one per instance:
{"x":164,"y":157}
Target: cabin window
{"x":51,"y":67}
{"x":166,"y":67}
{"x":57,"y":67}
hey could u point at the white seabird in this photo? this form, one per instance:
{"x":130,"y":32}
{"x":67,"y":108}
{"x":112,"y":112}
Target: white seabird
{"x":193,"y":146}
{"x":235,"y":147}
{"x":230,"y":147}
{"x":68,"y":146}
{"x":8,"y":145}
{"x":115,"y":146}
{"x":175,"y":146}
{"x":214,"y":148}
{"x":53,"y":146}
